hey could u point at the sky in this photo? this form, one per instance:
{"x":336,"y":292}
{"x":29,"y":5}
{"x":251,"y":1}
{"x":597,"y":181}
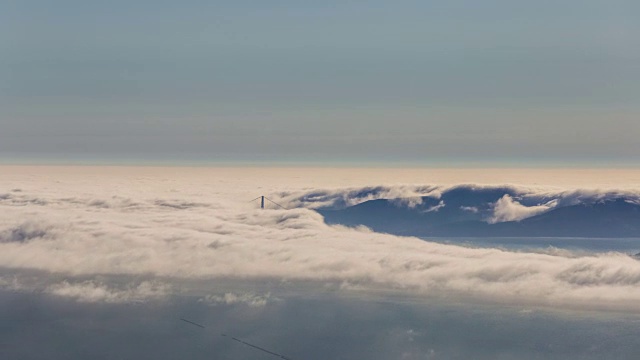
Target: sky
{"x":330,"y":81}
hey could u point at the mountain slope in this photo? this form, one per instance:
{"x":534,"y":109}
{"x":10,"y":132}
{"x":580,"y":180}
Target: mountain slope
{"x":612,"y":218}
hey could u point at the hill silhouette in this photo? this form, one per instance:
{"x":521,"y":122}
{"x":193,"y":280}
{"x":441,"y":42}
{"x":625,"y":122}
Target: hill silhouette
{"x":469,"y":212}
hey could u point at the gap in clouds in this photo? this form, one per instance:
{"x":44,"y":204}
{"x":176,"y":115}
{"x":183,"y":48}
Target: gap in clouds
{"x":479,"y":211}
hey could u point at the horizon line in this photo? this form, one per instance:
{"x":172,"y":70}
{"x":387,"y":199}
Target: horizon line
{"x":451,"y":163}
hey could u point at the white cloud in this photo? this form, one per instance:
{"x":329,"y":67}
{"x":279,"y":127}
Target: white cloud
{"x":249,"y":299}
{"x":403,"y":195}
{"x":192,"y":229}
{"x":89,"y":291}
{"x":507,"y":209}
{"x":440,"y":205}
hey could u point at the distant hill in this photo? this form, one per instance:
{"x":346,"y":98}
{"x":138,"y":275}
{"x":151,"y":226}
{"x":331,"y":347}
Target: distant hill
{"x":469,"y":212}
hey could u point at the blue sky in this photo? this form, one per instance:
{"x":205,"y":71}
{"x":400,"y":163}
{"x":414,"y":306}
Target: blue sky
{"x":374,"y":81}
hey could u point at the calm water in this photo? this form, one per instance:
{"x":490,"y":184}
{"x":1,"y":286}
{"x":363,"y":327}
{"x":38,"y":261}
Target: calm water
{"x":299,"y":326}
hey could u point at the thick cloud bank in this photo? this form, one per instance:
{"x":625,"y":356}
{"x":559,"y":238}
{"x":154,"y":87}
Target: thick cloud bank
{"x":84,"y":231}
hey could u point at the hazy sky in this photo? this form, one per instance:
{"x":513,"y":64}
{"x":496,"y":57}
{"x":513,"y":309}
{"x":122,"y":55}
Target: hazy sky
{"x":321,"y":80}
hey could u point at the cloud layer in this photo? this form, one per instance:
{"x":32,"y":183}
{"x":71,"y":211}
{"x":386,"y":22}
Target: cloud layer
{"x":84,"y":229}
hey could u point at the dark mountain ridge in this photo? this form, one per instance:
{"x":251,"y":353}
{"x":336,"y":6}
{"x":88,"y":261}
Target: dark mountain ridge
{"x":468,"y":213}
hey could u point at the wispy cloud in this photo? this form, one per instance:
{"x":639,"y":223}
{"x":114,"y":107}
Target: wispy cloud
{"x":90,"y":291}
{"x":249,"y":299}
{"x":508,"y":209}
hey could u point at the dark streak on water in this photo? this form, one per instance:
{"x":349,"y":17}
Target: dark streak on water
{"x":36,"y":326}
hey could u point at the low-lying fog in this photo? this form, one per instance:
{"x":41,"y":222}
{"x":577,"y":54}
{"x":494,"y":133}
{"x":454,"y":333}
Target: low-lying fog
{"x":103,"y":262}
